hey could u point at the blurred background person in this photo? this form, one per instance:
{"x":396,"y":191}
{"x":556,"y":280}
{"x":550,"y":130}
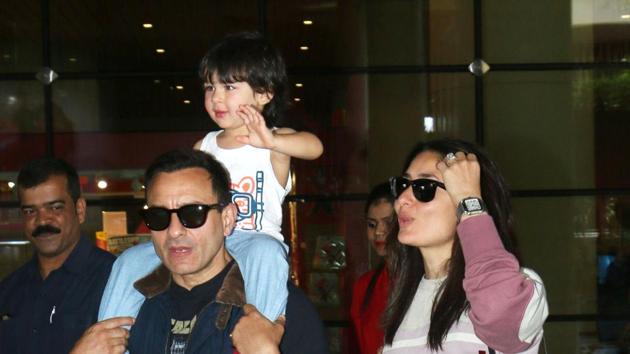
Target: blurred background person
{"x":370,"y":291}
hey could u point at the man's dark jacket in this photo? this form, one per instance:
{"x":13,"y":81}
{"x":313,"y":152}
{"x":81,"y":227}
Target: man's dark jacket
{"x":304,"y":332}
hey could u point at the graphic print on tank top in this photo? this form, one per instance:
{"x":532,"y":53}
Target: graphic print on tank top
{"x":247,"y":195}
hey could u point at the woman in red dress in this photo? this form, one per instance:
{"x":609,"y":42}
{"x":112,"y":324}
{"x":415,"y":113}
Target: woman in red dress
{"x":370,"y":291}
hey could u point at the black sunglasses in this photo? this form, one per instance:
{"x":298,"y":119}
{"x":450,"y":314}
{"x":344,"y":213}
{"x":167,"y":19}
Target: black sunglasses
{"x":191,"y":216}
{"x":423,"y":188}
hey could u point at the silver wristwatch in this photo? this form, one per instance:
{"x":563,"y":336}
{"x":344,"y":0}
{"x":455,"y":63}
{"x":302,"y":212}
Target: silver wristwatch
{"x":470,"y":206}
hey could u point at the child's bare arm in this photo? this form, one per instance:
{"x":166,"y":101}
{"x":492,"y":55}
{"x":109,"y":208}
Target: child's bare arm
{"x":197,"y":145}
{"x":302,"y":145}
{"x":282,"y":141}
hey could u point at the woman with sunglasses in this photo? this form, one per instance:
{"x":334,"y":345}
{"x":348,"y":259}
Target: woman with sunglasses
{"x":457,"y":286}
{"x":370,"y":291}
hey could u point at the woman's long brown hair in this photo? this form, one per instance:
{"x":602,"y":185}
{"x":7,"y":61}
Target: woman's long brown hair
{"x":406,"y":265}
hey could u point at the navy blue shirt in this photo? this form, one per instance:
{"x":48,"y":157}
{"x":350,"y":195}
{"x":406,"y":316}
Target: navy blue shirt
{"x":49,"y":316}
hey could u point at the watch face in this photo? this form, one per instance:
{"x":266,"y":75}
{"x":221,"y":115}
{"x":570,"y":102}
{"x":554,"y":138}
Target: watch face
{"x":472,"y":204}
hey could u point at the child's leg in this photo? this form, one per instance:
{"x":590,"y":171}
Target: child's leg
{"x":120,"y":298}
{"x":262,"y":260}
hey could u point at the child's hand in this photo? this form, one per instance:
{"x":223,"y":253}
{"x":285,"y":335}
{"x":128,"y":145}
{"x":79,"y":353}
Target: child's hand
{"x":259,"y":135}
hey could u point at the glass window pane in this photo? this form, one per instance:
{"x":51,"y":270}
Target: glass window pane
{"x":347,"y":33}
{"x":101,"y":150}
{"x":356,"y":117}
{"x":108,"y":36}
{"x":21,"y":123}
{"x":559,"y":129}
{"x":368,"y":123}
{"x":555,"y":31}
{"x":334,"y":108}
{"x":126,"y":123}
{"x":129,"y":105}
{"x":550,"y":234}
{"x":585,"y":337}
{"x":405,"y":109}
{"x":580,"y":247}
{"x":450,"y":32}
{"x":20,"y":36}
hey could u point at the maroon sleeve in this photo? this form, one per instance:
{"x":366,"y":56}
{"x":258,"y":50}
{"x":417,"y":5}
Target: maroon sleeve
{"x":497,"y":290}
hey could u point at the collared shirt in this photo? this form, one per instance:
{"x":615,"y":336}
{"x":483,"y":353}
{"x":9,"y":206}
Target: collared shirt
{"x":49,"y":316}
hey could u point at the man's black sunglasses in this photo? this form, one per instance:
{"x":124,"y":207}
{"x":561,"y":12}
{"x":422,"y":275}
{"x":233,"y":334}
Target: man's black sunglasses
{"x":191,"y":216}
{"x":423,"y":188}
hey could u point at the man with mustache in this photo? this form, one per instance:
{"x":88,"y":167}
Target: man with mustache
{"x":47,"y":303}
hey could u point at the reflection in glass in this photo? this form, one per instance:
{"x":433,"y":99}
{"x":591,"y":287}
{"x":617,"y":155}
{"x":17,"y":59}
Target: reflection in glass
{"x":559,"y":129}
{"x":543,"y":31}
{"x":21,"y":123}
{"x":450,"y":38}
{"x":109,"y":36}
{"x":581,"y":248}
{"x":129,"y":105}
{"x":346,"y":33}
{"x":20,"y":36}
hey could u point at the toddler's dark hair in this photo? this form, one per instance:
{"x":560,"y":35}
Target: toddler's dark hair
{"x":249,"y":57}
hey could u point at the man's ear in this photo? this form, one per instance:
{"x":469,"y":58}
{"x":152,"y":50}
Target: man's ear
{"x":228,"y":218}
{"x":81,"y":208}
{"x":262,"y":98}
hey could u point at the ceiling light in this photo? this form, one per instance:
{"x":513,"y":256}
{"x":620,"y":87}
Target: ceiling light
{"x":625,"y":16}
{"x":179,"y":87}
{"x":160,"y":51}
{"x":304,"y":48}
{"x":147,"y":25}
{"x":186,"y":101}
{"x":102,"y":184}
{"x":297,"y":99}
{"x":156,"y":81}
{"x":307,"y":22}
{"x":429,"y":124}
{"x":74,"y":60}
{"x":11,"y":184}
{"x":298,"y":84}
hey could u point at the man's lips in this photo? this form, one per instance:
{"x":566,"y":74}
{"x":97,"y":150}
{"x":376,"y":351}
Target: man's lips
{"x":179,"y":251}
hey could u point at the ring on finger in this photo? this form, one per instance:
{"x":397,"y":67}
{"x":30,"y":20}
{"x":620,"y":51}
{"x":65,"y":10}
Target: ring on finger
{"x":450,"y":158}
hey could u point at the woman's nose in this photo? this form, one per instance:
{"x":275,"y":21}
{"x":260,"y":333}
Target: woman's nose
{"x":406,"y":197}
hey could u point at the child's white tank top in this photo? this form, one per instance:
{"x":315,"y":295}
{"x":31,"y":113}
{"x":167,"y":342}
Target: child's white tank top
{"x":255,"y":190}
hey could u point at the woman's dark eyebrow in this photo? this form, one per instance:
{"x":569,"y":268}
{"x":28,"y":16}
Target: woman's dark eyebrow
{"x":422,"y":175}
